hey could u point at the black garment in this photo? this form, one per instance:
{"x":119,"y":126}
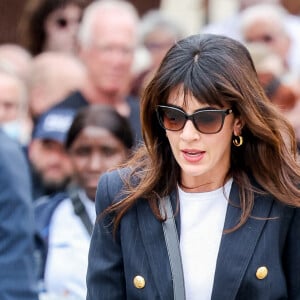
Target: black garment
{"x":76,"y":101}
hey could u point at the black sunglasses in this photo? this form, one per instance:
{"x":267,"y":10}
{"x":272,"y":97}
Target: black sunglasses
{"x":63,"y":22}
{"x":205,"y":120}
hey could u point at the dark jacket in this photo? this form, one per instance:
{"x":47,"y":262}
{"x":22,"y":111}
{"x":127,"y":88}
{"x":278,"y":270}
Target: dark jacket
{"x":270,"y":238}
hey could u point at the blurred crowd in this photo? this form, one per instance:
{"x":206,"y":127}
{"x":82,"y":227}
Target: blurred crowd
{"x":69,"y":111}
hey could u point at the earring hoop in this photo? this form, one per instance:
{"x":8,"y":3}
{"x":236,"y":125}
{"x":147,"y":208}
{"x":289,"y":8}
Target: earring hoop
{"x":238,"y":140}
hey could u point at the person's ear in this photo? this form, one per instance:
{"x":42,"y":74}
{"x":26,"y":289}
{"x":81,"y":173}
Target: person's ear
{"x":238,"y":126}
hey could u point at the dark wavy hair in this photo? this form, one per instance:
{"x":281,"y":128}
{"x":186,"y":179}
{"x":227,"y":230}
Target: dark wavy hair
{"x":31,"y":29}
{"x":216,"y":70}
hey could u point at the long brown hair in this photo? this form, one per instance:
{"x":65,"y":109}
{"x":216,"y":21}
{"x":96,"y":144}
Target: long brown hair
{"x":217,"y":70}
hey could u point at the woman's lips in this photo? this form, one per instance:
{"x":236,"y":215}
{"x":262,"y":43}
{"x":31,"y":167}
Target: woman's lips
{"x":192,"y":155}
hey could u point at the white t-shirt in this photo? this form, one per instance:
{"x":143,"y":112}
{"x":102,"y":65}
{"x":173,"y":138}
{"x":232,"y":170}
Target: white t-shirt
{"x":67,"y":260}
{"x":202,"y":223}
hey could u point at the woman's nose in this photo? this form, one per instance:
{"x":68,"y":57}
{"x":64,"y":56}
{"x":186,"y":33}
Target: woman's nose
{"x":189,"y":131}
{"x":96,"y":162}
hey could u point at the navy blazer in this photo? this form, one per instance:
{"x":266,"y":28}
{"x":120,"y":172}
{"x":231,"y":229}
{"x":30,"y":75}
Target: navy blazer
{"x":17,"y":268}
{"x":270,"y":238}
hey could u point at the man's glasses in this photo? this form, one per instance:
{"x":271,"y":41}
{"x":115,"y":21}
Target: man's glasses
{"x":205,"y":120}
{"x":265,"y":38}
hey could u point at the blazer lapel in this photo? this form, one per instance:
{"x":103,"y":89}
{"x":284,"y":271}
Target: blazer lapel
{"x":155,"y":247}
{"x":237,"y":247}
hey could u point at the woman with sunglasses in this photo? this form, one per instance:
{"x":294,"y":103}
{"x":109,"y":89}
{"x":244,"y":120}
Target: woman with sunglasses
{"x":222,"y":154}
{"x":51,"y":25}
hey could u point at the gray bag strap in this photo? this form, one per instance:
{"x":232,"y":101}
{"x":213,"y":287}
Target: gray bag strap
{"x":172,"y":243}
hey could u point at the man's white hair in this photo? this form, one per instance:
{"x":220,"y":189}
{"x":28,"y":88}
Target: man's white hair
{"x":92,"y":11}
{"x":265,"y":11}
{"x":154,"y":20}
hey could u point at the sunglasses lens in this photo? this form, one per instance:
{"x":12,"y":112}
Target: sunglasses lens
{"x":208,"y":121}
{"x":61,"y":22}
{"x":171,"y":119}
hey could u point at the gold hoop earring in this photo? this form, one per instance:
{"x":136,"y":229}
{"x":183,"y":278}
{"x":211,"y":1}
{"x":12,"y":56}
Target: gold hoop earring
{"x":238,"y":140}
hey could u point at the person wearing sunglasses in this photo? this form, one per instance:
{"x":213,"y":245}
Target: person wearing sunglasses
{"x":50,"y":25}
{"x":219,"y":163}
